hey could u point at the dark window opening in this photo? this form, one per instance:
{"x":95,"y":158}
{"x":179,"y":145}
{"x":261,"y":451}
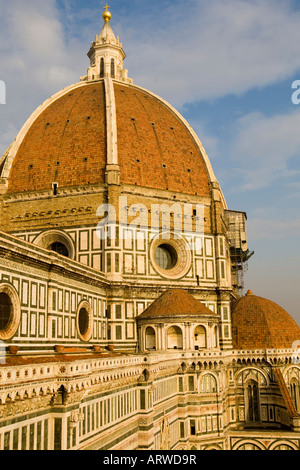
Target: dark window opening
{"x":112,"y":68}
{"x":142,"y":400}
{"x":59,"y":248}
{"x":193,"y":427}
{"x":294,"y":388}
{"x":6,"y":309}
{"x":102,"y":68}
{"x":55,"y":188}
{"x":83,"y":321}
{"x":166,"y":256}
{"x":253,"y":403}
{"x":118,"y":332}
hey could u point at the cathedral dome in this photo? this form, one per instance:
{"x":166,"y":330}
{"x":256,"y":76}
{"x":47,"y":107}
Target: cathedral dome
{"x":261,"y":323}
{"x":65,"y":142}
{"x":103,"y":126}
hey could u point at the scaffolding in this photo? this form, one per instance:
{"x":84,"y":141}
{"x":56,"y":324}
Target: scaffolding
{"x":239,"y":252}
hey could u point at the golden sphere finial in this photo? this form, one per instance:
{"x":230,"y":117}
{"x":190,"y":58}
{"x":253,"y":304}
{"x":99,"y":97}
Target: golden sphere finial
{"x":106,"y":14}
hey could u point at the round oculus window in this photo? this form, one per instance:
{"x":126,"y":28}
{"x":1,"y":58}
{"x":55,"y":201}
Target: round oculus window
{"x":166,"y":256}
{"x":6,"y":311}
{"x":84,"y":321}
{"x":170,"y":256}
{"x":9,"y":311}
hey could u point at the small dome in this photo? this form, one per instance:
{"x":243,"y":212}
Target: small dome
{"x":176,"y":302}
{"x":258,"y":323}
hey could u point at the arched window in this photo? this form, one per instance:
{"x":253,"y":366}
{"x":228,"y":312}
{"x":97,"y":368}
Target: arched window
{"x":150,"y":340}
{"x":208,"y":384}
{"x":200,"y":337}
{"x":61,"y":396}
{"x":252,"y":402}
{"x":112,"y":68}
{"x":174,"y":338}
{"x":102,"y":68}
{"x":294,"y":390}
{"x":57,"y":241}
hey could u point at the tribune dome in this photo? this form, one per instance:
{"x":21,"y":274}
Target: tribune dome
{"x":177,"y":303}
{"x":105,"y":119}
{"x":260,"y":323}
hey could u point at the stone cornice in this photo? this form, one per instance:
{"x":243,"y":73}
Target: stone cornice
{"x":15,"y":249}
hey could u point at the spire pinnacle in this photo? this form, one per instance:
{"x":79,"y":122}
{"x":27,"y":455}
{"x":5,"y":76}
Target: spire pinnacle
{"x":106,"y":15}
{"x":106,"y":54}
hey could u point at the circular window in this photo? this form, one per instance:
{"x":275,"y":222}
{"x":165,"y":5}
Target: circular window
{"x":170,"y":255}
{"x":84,"y":321}
{"x":9,"y":311}
{"x":166,"y":256}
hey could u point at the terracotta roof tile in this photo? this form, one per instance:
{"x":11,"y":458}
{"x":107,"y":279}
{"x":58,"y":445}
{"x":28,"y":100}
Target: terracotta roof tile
{"x":176,"y":302}
{"x":260,"y":323}
{"x":66,"y":144}
{"x":56,"y":146}
{"x":19,"y":360}
{"x":150,"y":132}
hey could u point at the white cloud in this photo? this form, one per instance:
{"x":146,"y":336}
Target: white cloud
{"x":267,"y":228}
{"x":263,"y":148}
{"x":217,"y":48}
{"x":35,"y":60}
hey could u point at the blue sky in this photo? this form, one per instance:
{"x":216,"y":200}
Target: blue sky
{"x":226,"y":65}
